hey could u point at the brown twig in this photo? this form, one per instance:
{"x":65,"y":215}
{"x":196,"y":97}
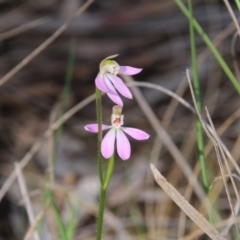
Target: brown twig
{"x":23,"y":28}
{"x":40,"y":141}
{"x":40,"y":48}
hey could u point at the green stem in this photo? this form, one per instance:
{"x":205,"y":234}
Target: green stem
{"x":196,"y":87}
{"x":99,"y":137}
{"x":101,"y":213}
{"x":211,"y":46}
{"x":103,"y":193}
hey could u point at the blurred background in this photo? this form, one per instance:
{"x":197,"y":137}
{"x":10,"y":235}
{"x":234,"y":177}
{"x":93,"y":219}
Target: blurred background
{"x":153,"y":35}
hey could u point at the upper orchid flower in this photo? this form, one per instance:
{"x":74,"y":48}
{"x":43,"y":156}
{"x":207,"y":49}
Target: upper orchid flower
{"x":108,"y":82}
{"x":117,"y":132}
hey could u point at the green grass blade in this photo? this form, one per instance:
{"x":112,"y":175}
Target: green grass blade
{"x":211,"y":46}
{"x":60,"y":224}
{"x":137,"y":218}
{"x":238,"y":4}
{"x":72,"y":223}
{"x":65,"y":94}
{"x":196,"y":86}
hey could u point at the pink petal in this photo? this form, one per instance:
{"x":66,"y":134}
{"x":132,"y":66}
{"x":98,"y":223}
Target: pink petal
{"x":126,"y":70}
{"x":123,"y":145}
{"x":107,"y":146}
{"x":101,"y":84}
{"x":136,"y":133}
{"x":115,"y":98}
{"x":109,"y":85}
{"x":120,"y":85}
{"x":112,"y":93}
{"x":94,"y":127}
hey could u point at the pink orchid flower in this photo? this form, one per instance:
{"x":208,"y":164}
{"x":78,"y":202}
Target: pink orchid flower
{"x":108,"y":82}
{"x":117,"y":132}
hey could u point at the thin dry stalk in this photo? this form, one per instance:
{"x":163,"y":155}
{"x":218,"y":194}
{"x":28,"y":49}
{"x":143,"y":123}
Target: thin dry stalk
{"x":23,"y":28}
{"x":187,"y":196}
{"x":211,"y":133}
{"x":235,"y":148}
{"x":216,"y":137}
{"x":235,"y":21}
{"x":168,"y":142}
{"x":32,"y":228}
{"x":164,"y":90}
{"x":194,"y":235}
{"x":164,"y":208}
{"x":7,"y":184}
{"x":220,"y":178}
{"x":220,"y":155}
{"x":189,"y":210}
{"x":149,"y":208}
{"x":216,"y":146}
{"x":40,"y":48}
{"x":205,"y":126}
{"x":27,"y":202}
{"x":155,"y":153}
{"x":228,"y":227}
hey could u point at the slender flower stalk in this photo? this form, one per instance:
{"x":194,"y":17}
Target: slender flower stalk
{"x":117,"y":133}
{"x":99,"y":137}
{"x":103,"y":193}
{"x":108,"y":81}
{"x":196,"y":85}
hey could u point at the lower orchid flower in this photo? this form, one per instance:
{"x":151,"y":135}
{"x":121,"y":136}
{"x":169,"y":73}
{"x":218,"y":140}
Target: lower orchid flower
{"x":108,"y":82}
{"x":117,"y":132}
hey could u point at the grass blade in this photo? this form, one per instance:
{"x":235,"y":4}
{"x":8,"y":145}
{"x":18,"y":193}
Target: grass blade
{"x":196,"y":85}
{"x":211,"y":46}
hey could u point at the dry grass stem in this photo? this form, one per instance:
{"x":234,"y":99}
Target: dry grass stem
{"x":195,"y":234}
{"x":225,"y":231}
{"x":187,"y":196}
{"x":220,"y":155}
{"x":218,"y":145}
{"x":23,"y":28}
{"x":168,"y":142}
{"x":32,"y":229}
{"x":234,"y":19}
{"x":164,"y":90}
{"x":39,"y":49}
{"x":189,"y":210}
{"x":7,"y":184}
{"x":27,"y":202}
{"x":149,"y":208}
{"x":235,"y":149}
{"x":207,"y":128}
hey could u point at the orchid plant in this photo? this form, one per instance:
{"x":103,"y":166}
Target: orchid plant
{"x":108,"y":82}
